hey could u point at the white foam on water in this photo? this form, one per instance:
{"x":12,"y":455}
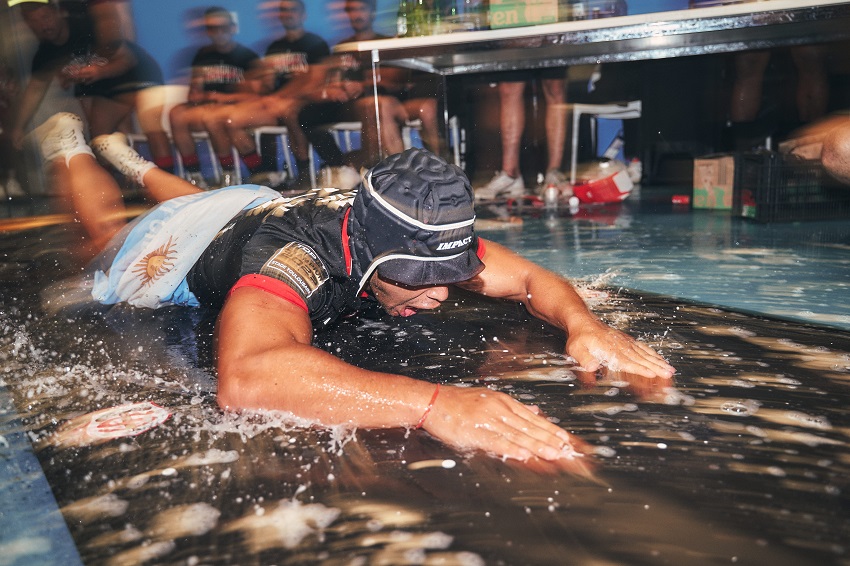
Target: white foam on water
{"x":183,"y":521}
{"x":249,"y":424}
{"x":116,"y":538}
{"x":141,"y":554}
{"x":285,"y":525}
{"x":94,"y":508}
{"x":212,"y":456}
{"x":743,"y":408}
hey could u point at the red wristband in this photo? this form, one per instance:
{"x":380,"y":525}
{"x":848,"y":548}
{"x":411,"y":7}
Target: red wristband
{"x":428,"y":408}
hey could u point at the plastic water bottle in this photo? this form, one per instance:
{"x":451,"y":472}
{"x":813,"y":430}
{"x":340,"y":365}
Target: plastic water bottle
{"x":401,"y":19}
{"x":550,"y":196}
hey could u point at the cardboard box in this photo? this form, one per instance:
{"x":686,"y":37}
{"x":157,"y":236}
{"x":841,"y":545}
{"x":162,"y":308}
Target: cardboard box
{"x":515,"y":13}
{"x":714,"y":182}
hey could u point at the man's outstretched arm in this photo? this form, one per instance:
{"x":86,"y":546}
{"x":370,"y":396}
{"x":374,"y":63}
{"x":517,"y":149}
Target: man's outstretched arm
{"x":265,"y":360}
{"x":552,"y":298}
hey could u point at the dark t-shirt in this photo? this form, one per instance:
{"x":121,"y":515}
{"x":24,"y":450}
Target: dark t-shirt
{"x":50,"y":58}
{"x":222,"y":72}
{"x":79,"y":51}
{"x":291,"y":58}
{"x":298,"y":241}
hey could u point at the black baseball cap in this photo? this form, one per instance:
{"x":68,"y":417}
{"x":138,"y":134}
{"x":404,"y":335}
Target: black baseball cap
{"x":413,"y":220}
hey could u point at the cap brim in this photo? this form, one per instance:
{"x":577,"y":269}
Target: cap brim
{"x":423,"y":272}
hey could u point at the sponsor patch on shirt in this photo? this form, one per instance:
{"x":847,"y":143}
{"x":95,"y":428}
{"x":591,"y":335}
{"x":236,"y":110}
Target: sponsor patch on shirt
{"x":297,"y":265}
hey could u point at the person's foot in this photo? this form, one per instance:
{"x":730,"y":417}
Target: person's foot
{"x":62,"y":136}
{"x":343,"y":178}
{"x":555,"y":178}
{"x":502,"y":186}
{"x":115,"y":150}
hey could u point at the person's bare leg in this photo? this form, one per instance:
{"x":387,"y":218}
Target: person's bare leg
{"x":299,"y":145}
{"x":214,"y":120}
{"x":812,"y":83}
{"x":554,"y":91}
{"x":183,"y":121}
{"x":96,"y":199}
{"x":91,"y":193}
{"x":425,"y":109}
{"x":393,"y":116}
{"x":747,"y":89}
{"x":161,"y":185}
{"x":512,"y":119}
{"x":149,"y":104}
{"x":106,"y":114}
{"x":236,"y":123}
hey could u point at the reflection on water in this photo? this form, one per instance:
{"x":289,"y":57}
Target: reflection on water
{"x":799,"y":271}
{"x":744,"y":460}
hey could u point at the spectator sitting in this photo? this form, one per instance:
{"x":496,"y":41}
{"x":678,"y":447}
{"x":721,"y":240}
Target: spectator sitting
{"x":223,"y":73}
{"x":508,"y":182}
{"x":289,"y":74}
{"x":89,"y":51}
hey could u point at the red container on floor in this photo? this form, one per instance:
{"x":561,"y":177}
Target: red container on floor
{"x":613,"y":188}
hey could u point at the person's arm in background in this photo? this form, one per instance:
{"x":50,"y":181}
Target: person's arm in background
{"x":265,"y":360}
{"x":27,"y":106}
{"x":113,"y":26}
{"x":553,"y":299}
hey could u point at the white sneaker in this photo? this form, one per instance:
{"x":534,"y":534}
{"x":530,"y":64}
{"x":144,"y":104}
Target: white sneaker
{"x":115,"y":150}
{"x":557,"y":179}
{"x":343,"y":178}
{"x":501,"y":186}
{"x":62,"y":136}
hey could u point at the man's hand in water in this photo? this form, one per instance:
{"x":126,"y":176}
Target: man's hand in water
{"x":595,"y":344}
{"x":480,"y":419}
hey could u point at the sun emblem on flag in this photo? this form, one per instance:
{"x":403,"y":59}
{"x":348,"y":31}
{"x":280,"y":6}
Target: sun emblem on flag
{"x":156,"y":263}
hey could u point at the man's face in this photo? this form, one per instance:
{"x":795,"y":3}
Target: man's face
{"x":402,"y":300}
{"x":46,"y":22}
{"x":291,"y":15}
{"x":220,"y":29}
{"x":360,"y":15}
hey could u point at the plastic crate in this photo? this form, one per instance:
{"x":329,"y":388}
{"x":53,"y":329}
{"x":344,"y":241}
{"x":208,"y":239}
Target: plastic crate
{"x":772,"y":187}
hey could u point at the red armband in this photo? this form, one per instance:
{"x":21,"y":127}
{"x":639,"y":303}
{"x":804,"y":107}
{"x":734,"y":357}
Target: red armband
{"x":270,"y":285}
{"x":482,"y":249}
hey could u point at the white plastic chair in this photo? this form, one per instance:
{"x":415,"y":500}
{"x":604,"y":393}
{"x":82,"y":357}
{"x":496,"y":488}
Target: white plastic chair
{"x":613,"y":111}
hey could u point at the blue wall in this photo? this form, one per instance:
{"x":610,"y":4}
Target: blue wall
{"x":164,"y":27}
{"x":168,"y":29}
